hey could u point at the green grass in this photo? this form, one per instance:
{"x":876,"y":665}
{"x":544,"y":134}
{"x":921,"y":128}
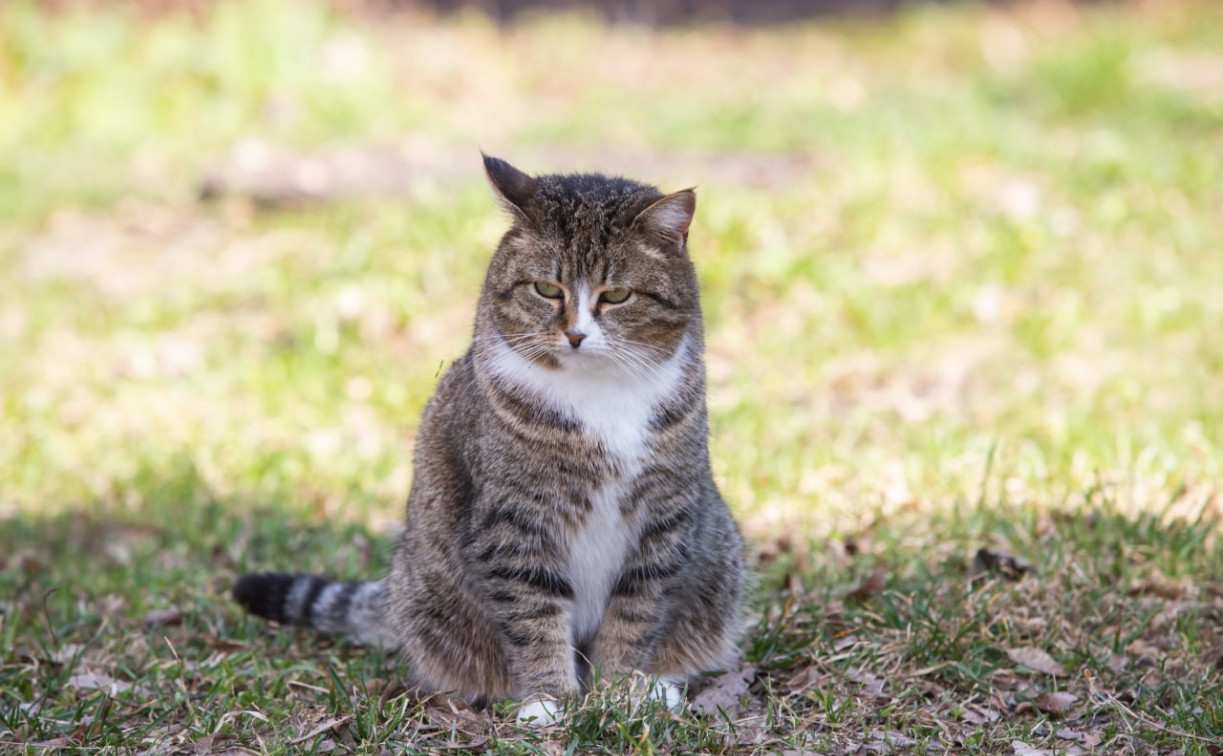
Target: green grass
{"x":963,"y":277}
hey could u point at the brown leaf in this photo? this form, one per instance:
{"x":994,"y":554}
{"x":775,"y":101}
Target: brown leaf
{"x":1057,"y":704}
{"x":1000,"y":562}
{"x":794,"y":584}
{"x":328,"y":724}
{"x":93,"y":681}
{"x":163,"y":617}
{"x":873,"y":685}
{"x":1035,"y":660}
{"x":456,"y":712}
{"x":872,"y":586}
{"x":54,"y":743}
{"x":724,"y":692}
{"x":979,"y":715}
{"x":1159,"y":584}
{"x":806,"y":678}
{"x":886,"y":742}
{"x":66,"y":653}
{"x":1142,"y":649}
{"x":217,"y":643}
{"x":1023,"y":749}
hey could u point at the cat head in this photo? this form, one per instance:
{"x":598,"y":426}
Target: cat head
{"x":594,"y":272}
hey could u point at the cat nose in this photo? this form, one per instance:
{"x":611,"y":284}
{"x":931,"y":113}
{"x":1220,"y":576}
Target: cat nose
{"x":575,"y":338}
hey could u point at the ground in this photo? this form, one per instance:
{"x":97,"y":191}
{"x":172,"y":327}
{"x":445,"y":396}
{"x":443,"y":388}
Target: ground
{"x":962,"y":281}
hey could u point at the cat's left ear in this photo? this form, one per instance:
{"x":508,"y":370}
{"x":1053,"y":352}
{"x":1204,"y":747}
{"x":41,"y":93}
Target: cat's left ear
{"x":666,"y":221}
{"x":513,"y":187}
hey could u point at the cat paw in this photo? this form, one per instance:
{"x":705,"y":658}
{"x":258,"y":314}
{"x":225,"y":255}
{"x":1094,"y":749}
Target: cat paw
{"x":539,"y":711}
{"x":658,"y":690}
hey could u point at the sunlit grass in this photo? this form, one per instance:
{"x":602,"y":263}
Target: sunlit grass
{"x":962,"y":277}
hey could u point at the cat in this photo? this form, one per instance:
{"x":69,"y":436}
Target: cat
{"x":563,"y":521}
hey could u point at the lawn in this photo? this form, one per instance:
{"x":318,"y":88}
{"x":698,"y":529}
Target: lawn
{"x":963,"y":284}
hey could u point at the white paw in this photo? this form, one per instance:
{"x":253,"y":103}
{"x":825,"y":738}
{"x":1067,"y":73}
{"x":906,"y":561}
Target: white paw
{"x":659,"y":690}
{"x":539,"y":712}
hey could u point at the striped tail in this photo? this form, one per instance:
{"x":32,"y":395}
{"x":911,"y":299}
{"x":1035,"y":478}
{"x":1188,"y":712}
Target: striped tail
{"x":356,"y":610}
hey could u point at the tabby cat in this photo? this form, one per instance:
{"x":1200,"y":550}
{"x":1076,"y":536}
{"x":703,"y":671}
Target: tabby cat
{"x":563,"y":521}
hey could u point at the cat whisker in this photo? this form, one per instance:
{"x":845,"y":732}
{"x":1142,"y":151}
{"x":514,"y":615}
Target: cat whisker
{"x":651,"y":347}
{"x":639,"y":362}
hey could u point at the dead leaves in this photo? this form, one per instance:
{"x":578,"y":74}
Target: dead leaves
{"x":334,"y":724}
{"x":113,"y":687}
{"x":724,"y":693}
{"x":1057,"y":704}
{"x":998,"y":562}
{"x":1036,"y":660}
{"x":163,"y":617}
{"x":872,"y":586}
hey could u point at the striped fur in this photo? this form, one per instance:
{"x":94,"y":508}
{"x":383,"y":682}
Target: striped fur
{"x":563,"y":520}
{"x":354,"y":609}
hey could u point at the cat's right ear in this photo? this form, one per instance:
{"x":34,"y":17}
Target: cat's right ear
{"x":666,"y":221}
{"x":513,"y":187}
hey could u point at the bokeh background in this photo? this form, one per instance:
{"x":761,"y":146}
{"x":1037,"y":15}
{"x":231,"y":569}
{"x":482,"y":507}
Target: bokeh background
{"x":962,"y":268}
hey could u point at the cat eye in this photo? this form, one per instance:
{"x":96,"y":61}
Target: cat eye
{"x":551,"y":291}
{"x":615,"y":296}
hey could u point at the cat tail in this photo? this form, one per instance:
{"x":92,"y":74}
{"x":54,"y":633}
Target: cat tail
{"x":356,"y":610}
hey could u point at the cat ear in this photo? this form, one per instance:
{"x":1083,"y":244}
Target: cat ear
{"x":513,"y":187}
{"x":666,"y":221}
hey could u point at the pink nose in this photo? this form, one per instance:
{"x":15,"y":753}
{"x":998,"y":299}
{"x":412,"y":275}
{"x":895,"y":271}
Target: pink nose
{"x":575,"y":338}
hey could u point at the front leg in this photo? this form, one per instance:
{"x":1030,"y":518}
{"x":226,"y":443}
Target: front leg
{"x":529,"y":598}
{"x":638,"y":608}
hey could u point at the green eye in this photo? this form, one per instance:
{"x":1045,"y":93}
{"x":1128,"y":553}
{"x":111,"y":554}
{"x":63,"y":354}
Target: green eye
{"x":551,"y":291}
{"x":615,"y":296}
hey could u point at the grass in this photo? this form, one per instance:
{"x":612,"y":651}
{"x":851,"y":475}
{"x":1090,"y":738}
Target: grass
{"x":962,"y":278}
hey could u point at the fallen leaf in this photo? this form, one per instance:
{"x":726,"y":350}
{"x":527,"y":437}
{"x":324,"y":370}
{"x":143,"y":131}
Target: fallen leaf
{"x":1023,"y":749}
{"x":1035,"y":660}
{"x":456,"y":712}
{"x":869,"y":587}
{"x":979,"y":715}
{"x":163,"y":617}
{"x":1141,"y":648}
{"x":54,"y":743}
{"x":1159,"y":584}
{"x":893,"y":739}
{"x":872,"y":685}
{"x":886,"y":742}
{"x":724,"y":692}
{"x":1068,"y":733}
{"x":92,"y":681}
{"x":1000,"y":562}
{"x":218,"y":643}
{"x":1057,"y":704}
{"x":66,"y":653}
{"x":794,"y":584}
{"x":320,"y":728}
{"x":805,"y":679}
{"x":1167,"y":616}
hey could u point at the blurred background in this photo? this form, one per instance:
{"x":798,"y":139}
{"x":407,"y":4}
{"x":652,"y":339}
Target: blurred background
{"x":951,"y":252}
{"x":962,"y":268}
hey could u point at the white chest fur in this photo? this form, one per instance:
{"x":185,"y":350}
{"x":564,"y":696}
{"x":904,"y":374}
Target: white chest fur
{"x":614,"y":407}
